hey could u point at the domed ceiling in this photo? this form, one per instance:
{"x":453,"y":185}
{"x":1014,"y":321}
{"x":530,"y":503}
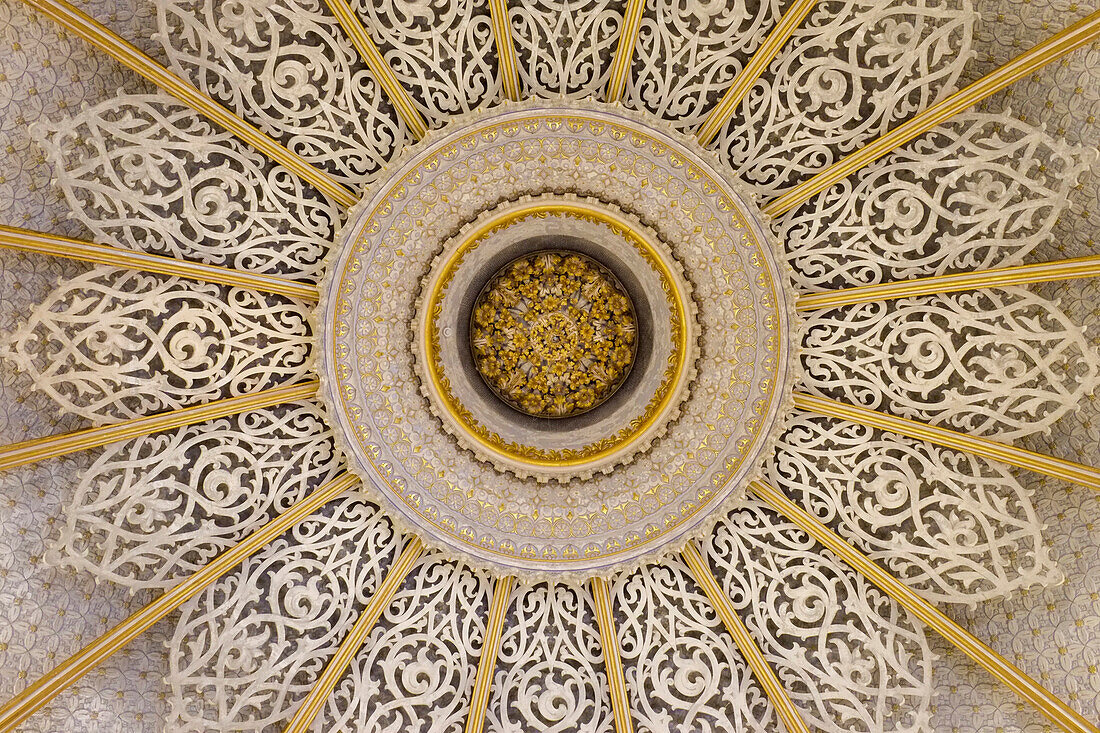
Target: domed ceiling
{"x":549,"y":366}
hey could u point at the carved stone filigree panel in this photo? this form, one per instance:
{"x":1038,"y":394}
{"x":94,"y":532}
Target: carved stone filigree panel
{"x":1004,"y":362}
{"x":114,"y":344}
{"x":683,"y":671}
{"x":850,"y":658}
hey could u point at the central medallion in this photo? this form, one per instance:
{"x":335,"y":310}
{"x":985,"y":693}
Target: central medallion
{"x":554,"y":334}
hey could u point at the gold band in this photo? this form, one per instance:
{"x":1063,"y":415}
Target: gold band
{"x":763,"y":672}
{"x":997,"y":278}
{"x":612,"y":656}
{"x":1026,"y":63}
{"x":52,"y":446}
{"x":1013,"y":456}
{"x":624,"y":52}
{"x":104,"y":254}
{"x":483,"y":682}
{"x":506,"y":49}
{"x":56,"y":680}
{"x":1042,"y":699}
{"x":768,"y":50}
{"x":369,"y":52}
{"x":128,"y":55}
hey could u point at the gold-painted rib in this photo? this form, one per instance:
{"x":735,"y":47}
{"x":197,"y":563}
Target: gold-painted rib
{"x":338,"y":665}
{"x":996,"y":278}
{"x":370,"y":54}
{"x":506,"y":48}
{"x":20,"y":707}
{"x":763,"y":672}
{"x":58,"y":445}
{"x":1026,"y":63}
{"x":1020,"y":683}
{"x":768,"y":50}
{"x":129,"y":55}
{"x":104,"y":254}
{"x":483,"y":682}
{"x":624,"y":52}
{"x":612,"y":656}
{"x":1013,"y":456}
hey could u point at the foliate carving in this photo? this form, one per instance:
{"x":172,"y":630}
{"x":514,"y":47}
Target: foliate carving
{"x":115,"y":344}
{"x":155,"y":509}
{"x":287,"y":67}
{"x":687,"y":54}
{"x":977,"y":192}
{"x":249,"y":648}
{"x":1002,"y":362}
{"x":565,"y":47}
{"x":851,"y":71}
{"x":147,"y":173}
{"x":850,"y":658}
{"x":416,"y":671}
{"x":442,"y":52}
{"x":550,"y":675}
{"x":956,"y":527}
{"x":683,"y":671}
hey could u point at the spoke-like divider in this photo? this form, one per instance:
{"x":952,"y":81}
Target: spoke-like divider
{"x":996,"y":278}
{"x":1042,"y":699}
{"x":483,"y":681}
{"x":370,"y":54}
{"x":1021,"y":458}
{"x":624,"y":51}
{"x":612,"y":656}
{"x":130,"y":56}
{"x":353,"y":642}
{"x":749,"y":649}
{"x":506,"y":48}
{"x":52,"y":446}
{"x":105,"y":254}
{"x":54,"y":682}
{"x":768,"y":50}
{"x":1073,"y":37}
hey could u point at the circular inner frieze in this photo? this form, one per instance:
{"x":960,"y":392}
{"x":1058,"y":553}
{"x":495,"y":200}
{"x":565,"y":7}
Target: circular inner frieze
{"x":553,"y":334}
{"x":556,"y":292}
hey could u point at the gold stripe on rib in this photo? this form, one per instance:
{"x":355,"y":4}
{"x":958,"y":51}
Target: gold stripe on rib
{"x":54,"y":682}
{"x":338,"y":665}
{"x":483,"y":682}
{"x":768,"y":50}
{"x":1026,"y":63}
{"x":58,"y":445}
{"x":128,"y":55}
{"x":506,"y":48}
{"x":1020,"y":683}
{"x":370,"y":54}
{"x":76,"y":249}
{"x":612,"y":657}
{"x":624,"y":52}
{"x":763,"y":672}
{"x":1013,"y":456}
{"x":996,"y":278}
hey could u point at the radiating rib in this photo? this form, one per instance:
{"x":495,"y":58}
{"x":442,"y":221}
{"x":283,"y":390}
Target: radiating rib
{"x":104,"y":254}
{"x":1020,"y":683}
{"x":130,"y":56}
{"x":1013,"y":456}
{"x":483,"y":682}
{"x":624,"y":51}
{"x":996,"y":278}
{"x":370,"y":54}
{"x":612,"y":657}
{"x":50,"y":685}
{"x":58,"y":445}
{"x":768,"y":50}
{"x":506,"y":48}
{"x":763,"y":672}
{"x":1026,"y":63}
{"x":338,"y":665}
